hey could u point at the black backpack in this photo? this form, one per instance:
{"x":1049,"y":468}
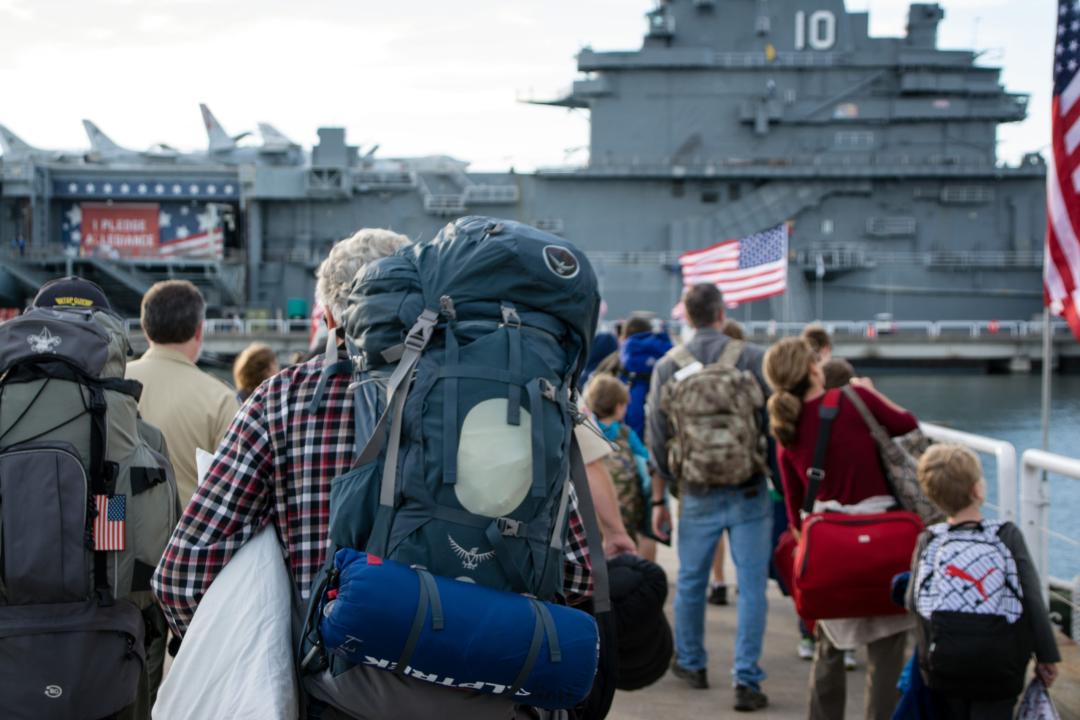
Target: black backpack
{"x":86,"y":508}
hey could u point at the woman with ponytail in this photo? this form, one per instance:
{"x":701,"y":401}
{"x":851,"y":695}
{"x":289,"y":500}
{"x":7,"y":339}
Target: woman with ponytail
{"x":853,"y":475}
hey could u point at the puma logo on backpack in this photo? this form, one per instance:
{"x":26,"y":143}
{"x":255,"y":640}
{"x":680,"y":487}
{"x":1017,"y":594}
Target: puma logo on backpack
{"x":968,"y":596}
{"x":87,"y":505}
{"x":715,"y":414}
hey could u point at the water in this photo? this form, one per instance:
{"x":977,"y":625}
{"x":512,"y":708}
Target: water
{"x":1005,"y":407}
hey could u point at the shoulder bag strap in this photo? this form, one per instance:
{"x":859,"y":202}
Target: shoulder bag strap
{"x":879,"y":433}
{"x":830,"y":405}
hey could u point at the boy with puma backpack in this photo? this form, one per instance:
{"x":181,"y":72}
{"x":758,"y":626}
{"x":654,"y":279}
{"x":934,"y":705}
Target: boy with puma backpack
{"x":977,"y":598}
{"x":87,"y":503}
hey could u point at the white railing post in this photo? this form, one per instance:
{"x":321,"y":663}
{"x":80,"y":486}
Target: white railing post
{"x":1035,"y":504}
{"x":1004,"y":455}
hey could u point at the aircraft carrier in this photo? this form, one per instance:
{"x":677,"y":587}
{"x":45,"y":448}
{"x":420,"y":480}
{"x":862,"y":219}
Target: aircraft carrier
{"x":734,"y":116}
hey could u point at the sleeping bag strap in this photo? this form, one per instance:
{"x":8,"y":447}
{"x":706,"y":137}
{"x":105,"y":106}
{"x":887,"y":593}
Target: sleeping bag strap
{"x":512,"y":322}
{"x":451,"y":433}
{"x":331,"y":366}
{"x":534,"y":650}
{"x":830,"y":405}
{"x":554,"y":648}
{"x":428,"y":581}
{"x":597,"y":561}
{"x":428,"y":595}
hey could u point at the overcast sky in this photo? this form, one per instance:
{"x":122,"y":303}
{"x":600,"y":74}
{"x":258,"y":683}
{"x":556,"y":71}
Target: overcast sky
{"x":418,"y":76}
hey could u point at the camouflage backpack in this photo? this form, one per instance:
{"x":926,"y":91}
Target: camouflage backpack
{"x":624,"y":474}
{"x":715,"y":416}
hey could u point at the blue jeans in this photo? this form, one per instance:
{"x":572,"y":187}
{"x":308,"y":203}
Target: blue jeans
{"x":747,"y":516}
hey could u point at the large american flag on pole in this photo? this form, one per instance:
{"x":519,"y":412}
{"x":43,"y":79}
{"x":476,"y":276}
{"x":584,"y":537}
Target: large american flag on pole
{"x":1061,"y":263}
{"x":751,"y":268}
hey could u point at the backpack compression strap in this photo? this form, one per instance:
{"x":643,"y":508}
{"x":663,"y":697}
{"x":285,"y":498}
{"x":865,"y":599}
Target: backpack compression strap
{"x":830,"y":405}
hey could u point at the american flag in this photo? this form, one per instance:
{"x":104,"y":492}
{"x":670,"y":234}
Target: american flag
{"x":191,"y":232}
{"x":110,"y":521}
{"x":1061,"y":264}
{"x":752,"y":268}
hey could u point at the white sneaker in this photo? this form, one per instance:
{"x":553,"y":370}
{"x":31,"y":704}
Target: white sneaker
{"x":806,"y":649}
{"x":850,"y":663}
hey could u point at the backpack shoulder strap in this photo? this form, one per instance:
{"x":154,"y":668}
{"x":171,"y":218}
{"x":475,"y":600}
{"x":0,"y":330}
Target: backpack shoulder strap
{"x":729,"y":356}
{"x":830,"y":405}
{"x":597,"y":561}
{"x":682,"y":356}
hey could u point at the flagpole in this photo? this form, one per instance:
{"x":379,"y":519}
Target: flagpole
{"x":1047,"y":354}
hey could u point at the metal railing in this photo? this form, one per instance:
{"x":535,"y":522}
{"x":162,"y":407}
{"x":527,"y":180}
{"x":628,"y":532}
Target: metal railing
{"x":1035,"y":508}
{"x":1004,"y":456}
{"x":238,"y":326}
{"x":927,"y":329}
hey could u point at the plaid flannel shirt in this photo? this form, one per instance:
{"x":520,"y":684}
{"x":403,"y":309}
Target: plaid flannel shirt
{"x":275,"y":465}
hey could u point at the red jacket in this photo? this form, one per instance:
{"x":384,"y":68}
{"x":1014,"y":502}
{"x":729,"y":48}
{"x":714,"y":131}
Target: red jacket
{"x":852,"y":468}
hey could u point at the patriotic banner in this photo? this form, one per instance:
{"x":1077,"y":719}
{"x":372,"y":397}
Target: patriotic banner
{"x":110,"y":522}
{"x":119,"y":230}
{"x":748,"y":269}
{"x":1061,"y":259}
{"x":169,"y":229}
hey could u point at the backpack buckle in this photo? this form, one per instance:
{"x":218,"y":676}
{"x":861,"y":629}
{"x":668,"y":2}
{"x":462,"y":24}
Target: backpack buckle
{"x":508,"y":527}
{"x":510,"y":316}
{"x":815,"y":474}
{"x":420,"y":334}
{"x":548,"y":390}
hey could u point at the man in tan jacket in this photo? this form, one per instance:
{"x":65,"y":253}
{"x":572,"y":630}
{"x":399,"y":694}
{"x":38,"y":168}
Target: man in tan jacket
{"x":192,"y":408}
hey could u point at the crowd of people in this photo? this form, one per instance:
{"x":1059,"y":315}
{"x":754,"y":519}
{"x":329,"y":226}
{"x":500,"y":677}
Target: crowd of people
{"x":728,"y":428}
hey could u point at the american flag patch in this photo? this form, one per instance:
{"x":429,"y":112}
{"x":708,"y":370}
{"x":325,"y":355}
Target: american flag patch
{"x":110,"y":522}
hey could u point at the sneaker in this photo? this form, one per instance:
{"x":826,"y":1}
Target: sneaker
{"x":747,"y":699}
{"x":850,"y":663}
{"x":806,"y":649}
{"x":718,"y":594}
{"x":696,"y":679}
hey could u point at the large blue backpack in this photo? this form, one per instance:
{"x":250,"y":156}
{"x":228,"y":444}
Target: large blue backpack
{"x":465,"y":350}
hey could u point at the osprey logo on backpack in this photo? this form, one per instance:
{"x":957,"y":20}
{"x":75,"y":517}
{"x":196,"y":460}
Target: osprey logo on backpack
{"x":561,"y":261}
{"x":471,"y":558}
{"x":44,"y":342}
{"x":53,"y":691}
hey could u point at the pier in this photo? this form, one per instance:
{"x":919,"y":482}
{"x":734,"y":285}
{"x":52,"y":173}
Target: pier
{"x":671,"y":698}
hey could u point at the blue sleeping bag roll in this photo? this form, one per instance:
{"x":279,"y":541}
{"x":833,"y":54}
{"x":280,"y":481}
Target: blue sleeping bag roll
{"x":457,"y":634}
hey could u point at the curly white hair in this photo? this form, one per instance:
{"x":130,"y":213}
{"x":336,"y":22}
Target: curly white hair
{"x":336,"y":273}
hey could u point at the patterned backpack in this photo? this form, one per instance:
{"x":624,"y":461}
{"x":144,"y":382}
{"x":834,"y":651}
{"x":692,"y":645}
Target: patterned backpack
{"x":623,"y":468}
{"x":715,"y":414}
{"x":969,"y":601}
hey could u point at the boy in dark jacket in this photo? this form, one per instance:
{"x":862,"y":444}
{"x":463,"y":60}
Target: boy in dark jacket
{"x":977,"y":597}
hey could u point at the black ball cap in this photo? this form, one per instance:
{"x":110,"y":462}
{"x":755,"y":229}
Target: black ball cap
{"x":71,"y":292}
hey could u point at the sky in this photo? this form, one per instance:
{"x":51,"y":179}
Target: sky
{"x":417,"y":77}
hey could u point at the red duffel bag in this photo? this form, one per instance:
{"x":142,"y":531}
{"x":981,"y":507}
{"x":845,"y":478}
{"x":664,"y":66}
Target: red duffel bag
{"x":844,"y":564}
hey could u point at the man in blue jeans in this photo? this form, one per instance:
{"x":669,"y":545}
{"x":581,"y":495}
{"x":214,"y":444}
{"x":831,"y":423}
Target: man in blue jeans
{"x":712,"y":499}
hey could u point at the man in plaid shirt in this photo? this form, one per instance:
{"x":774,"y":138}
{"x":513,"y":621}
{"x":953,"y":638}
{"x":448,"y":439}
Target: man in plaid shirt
{"x":276,"y":463}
